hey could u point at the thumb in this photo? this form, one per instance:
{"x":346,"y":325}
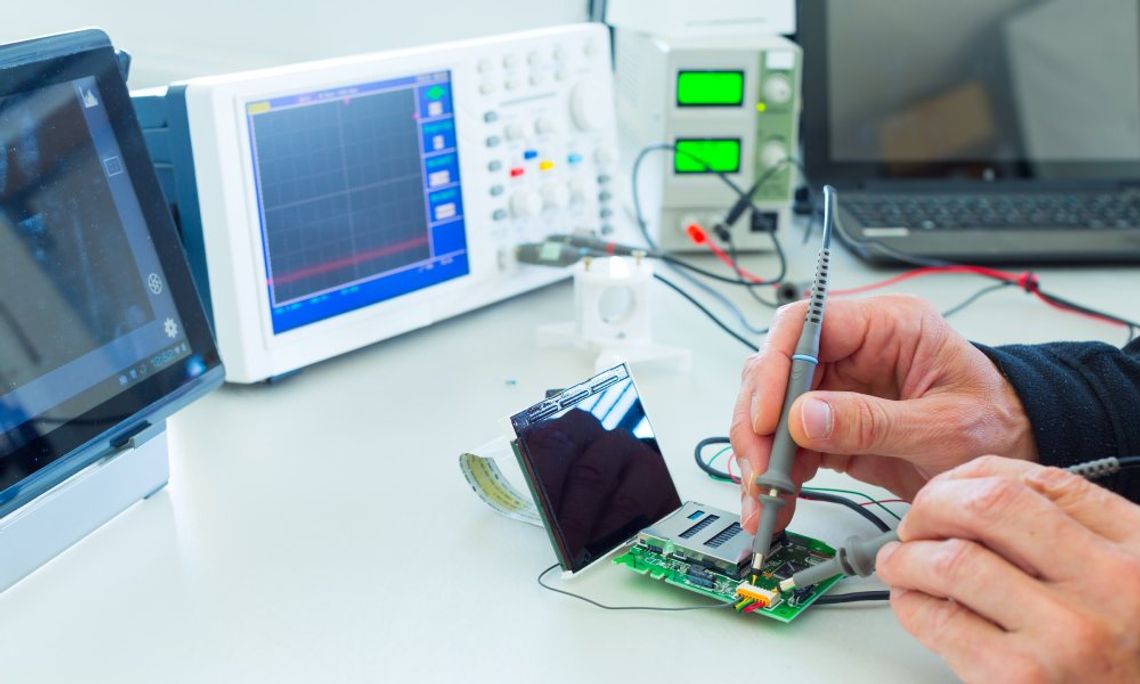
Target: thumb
{"x":853,"y":423}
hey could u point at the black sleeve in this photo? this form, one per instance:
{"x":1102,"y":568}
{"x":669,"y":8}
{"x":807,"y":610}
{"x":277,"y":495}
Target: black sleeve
{"x":1082,"y":400}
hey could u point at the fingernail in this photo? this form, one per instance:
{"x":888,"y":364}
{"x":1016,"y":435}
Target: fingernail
{"x":886,"y":552}
{"x":754,"y":409}
{"x":746,"y":475}
{"x":748,"y":512}
{"x":816,"y":417}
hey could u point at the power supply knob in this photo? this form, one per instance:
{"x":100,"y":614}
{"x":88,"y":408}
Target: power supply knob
{"x":525,"y":203}
{"x":580,"y":190}
{"x":588,"y":104}
{"x":777,"y":90}
{"x":555,"y":195}
{"x":773,"y":154}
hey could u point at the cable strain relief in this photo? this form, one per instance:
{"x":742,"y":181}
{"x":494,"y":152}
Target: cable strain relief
{"x":778,"y":481}
{"x":1091,"y":470}
{"x":818,"y":295}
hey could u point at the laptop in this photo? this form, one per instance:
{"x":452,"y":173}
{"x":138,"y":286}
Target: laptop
{"x":977,"y":131}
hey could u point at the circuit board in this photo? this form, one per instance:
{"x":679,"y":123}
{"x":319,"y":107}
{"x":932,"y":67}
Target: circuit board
{"x":793,"y":553}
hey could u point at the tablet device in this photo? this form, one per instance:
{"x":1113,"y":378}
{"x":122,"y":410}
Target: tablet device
{"x":101,"y":330}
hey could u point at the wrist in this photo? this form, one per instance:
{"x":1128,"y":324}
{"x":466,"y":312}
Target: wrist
{"x":1018,"y":441}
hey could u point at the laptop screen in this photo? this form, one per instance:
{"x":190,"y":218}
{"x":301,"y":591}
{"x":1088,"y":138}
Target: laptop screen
{"x":973,"y":88}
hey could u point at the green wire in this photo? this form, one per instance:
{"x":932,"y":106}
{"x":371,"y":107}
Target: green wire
{"x":718,"y":454}
{"x":868,"y":497}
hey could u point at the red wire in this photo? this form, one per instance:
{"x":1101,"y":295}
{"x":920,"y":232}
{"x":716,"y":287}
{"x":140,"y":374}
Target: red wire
{"x":697,"y":235}
{"x":1021,"y":279}
{"x":1086,"y":314}
{"x":732,"y":477}
{"x":1026,"y":281}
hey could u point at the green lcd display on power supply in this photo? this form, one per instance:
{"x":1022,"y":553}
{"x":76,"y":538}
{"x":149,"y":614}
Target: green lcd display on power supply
{"x":710,"y":88}
{"x":706,"y":155}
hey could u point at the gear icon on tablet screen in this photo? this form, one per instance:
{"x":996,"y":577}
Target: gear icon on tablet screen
{"x":171,"y":328}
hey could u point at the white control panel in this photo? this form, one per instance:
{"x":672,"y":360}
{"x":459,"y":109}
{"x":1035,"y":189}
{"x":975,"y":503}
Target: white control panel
{"x":550,"y":140}
{"x":347,"y":201}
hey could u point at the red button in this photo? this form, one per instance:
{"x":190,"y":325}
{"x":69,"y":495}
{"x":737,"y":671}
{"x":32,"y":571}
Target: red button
{"x":517,"y":171}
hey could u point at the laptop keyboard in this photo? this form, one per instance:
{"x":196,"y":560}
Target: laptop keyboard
{"x":1098,"y":211}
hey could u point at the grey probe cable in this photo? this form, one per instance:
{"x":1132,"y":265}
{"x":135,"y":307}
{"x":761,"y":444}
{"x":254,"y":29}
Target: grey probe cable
{"x":857,"y":555}
{"x":776,"y":480}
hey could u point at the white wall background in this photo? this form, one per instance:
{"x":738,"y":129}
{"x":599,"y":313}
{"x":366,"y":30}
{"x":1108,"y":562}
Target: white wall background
{"x":174,"y":39}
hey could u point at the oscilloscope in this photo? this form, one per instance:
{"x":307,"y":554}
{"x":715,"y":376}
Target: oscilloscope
{"x":329,"y":205}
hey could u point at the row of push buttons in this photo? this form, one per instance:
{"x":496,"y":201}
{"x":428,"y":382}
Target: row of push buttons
{"x":529,"y":155}
{"x":534,"y":57}
{"x":525,"y":203}
{"x":514,"y":82}
{"x":537,"y":59}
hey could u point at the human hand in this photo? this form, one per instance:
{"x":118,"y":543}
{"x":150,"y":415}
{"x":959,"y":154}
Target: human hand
{"x":900,"y":396}
{"x":1015,"y":572}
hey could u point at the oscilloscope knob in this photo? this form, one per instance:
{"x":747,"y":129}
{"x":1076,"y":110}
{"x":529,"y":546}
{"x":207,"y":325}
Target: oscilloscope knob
{"x":555,"y":195}
{"x":777,"y":90}
{"x":587,"y":105}
{"x":580,"y":190}
{"x":526,"y":203}
{"x":773,"y":153}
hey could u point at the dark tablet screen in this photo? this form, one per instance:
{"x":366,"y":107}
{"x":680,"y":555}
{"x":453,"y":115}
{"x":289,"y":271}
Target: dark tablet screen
{"x":98,"y":317}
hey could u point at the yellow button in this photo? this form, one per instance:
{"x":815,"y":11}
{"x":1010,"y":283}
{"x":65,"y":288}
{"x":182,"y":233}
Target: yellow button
{"x":545,"y":165}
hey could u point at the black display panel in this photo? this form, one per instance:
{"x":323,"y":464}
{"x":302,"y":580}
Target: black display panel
{"x":100,"y":324}
{"x":594,"y":466}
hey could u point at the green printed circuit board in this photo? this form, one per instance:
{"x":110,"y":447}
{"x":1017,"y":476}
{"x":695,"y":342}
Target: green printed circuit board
{"x":663,"y":560}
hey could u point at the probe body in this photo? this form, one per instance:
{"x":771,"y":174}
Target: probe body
{"x":776,"y":481}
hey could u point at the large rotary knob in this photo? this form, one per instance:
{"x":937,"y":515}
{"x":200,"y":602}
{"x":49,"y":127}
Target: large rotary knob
{"x":555,"y":195}
{"x":526,"y":203}
{"x":777,"y":90}
{"x":588,"y":104}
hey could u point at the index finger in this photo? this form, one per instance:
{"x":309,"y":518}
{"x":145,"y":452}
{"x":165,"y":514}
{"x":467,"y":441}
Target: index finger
{"x":1008,"y":517}
{"x":765,"y":375}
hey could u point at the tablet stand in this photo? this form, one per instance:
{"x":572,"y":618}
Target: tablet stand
{"x":46,"y":526}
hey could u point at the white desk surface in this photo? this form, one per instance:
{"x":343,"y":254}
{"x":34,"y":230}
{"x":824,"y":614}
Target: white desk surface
{"x":320,"y":529}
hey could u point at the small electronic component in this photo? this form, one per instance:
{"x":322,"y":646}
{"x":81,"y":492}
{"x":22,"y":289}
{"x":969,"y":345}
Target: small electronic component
{"x":765,"y":597}
{"x":703,"y":535}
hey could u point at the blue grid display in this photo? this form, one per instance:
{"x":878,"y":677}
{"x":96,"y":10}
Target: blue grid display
{"x":358,"y":194}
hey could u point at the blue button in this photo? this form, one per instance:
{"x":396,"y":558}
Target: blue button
{"x":530,"y":154}
{"x":574,"y":158}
